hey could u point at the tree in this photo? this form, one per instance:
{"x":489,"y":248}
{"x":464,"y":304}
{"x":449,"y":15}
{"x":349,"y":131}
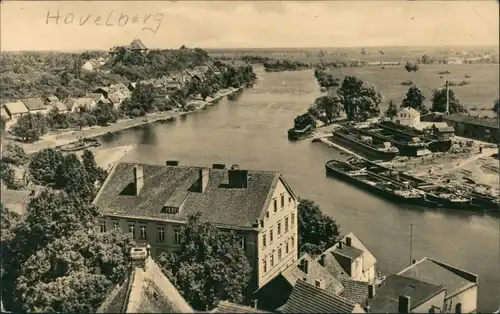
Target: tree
{"x":317,"y":231}
{"x":414,"y":99}
{"x":95,"y":173}
{"x":411,"y":67}
{"x":7,"y":175}
{"x":143,"y":97}
{"x":29,"y":127}
{"x":72,"y":177}
{"x":14,"y":154}
{"x":496,"y":108}
{"x":330,"y":105}
{"x":43,"y":166}
{"x":57,"y":120}
{"x":392,"y":110}
{"x":439,"y":102}
{"x":8,"y":221}
{"x":209,"y":267}
{"x":361,"y":100}
{"x":104,"y":114}
{"x":83,"y":255}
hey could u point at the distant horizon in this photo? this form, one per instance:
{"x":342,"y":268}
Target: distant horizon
{"x":277,"y":48}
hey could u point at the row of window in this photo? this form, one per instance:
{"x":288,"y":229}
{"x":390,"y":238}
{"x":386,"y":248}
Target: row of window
{"x":143,"y":231}
{"x":271,"y":231}
{"x":280,"y":255}
{"x":143,"y":235}
{"x":282,"y":197}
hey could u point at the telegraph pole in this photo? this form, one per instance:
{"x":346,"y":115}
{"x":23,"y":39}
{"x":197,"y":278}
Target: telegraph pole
{"x":411,"y":241}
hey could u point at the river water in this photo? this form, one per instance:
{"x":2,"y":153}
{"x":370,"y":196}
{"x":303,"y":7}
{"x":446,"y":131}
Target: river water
{"x":251,"y":131}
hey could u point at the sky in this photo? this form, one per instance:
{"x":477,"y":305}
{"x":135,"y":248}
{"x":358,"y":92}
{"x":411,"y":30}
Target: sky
{"x":246,"y":24}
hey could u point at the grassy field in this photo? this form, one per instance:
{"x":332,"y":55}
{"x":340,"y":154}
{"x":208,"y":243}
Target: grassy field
{"x":478,"y":95}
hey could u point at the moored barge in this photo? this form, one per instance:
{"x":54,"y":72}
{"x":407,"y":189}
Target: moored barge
{"x":378,"y":185}
{"x":365,"y":145}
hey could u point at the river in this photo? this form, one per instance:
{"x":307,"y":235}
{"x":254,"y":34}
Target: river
{"x":251,"y":131}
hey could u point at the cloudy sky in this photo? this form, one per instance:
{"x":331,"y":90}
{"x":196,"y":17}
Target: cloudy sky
{"x":235,"y":24}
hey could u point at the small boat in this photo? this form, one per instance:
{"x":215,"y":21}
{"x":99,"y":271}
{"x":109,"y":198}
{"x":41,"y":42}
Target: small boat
{"x":306,"y":132}
{"x":365,"y":145}
{"x":81,"y":144}
{"x":394,"y":191}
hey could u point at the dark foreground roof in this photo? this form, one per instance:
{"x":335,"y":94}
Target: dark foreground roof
{"x":387,"y":296}
{"x":306,"y":298}
{"x":356,"y":291}
{"x":218,"y":204}
{"x":229,"y":307}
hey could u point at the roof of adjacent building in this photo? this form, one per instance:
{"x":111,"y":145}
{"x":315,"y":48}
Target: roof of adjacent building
{"x":34,"y":104}
{"x":333,"y":266}
{"x":145,"y":291}
{"x":229,"y":307}
{"x":306,"y":298}
{"x":137,"y":44}
{"x":438,"y":273}
{"x":60,"y":106}
{"x":410,"y":110}
{"x":84,"y":101}
{"x":357,"y":249}
{"x":386,"y":299}
{"x":94,"y":96}
{"x":52,"y":98}
{"x":314,"y":272}
{"x":356,"y":291}
{"x":218,"y":204}
{"x":16,"y":107}
{"x":467,"y":119}
{"x":114,"y":98}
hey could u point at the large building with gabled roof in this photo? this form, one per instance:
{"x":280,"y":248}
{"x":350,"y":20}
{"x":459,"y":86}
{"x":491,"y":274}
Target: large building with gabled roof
{"x":153,"y":202}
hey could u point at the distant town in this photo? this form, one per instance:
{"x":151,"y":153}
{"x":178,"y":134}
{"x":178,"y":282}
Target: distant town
{"x":87,"y":228}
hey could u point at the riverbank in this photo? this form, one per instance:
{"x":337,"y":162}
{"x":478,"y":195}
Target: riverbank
{"x":54,"y":140}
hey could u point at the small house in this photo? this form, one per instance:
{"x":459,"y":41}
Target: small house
{"x":50,"y":100}
{"x":77,"y":104}
{"x":35,"y":105}
{"x":443,"y":131}
{"x":16,"y":109}
{"x":172,"y":87}
{"x":106,"y":101}
{"x":61,"y":107}
{"x":104,"y":91}
{"x":407,"y":116}
{"x":96,"y":97}
{"x":137,"y":46}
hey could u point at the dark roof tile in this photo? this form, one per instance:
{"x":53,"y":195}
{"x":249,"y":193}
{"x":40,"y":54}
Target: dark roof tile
{"x":306,"y":298}
{"x":229,"y":307}
{"x":356,"y":291}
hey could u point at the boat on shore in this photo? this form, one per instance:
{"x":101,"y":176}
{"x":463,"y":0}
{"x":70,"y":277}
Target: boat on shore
{"x":378,"y":185}
{"x":81,"y":144}
{"x":366,"y":145}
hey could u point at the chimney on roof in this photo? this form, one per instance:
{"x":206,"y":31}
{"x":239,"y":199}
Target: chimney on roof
{"x":204,"y":174}
{"x":304,"y":265}
{"x":139,"y":257}
{"x":341,"y":245}
{"x":404,"y":304}
{"x":322,"y":260}
{"x":348,"y":241}
{"x":320,"y":283}
{"x":414,"y":261}
{"x":138,"y":179}
{"x":219,"y":166}
{"x":172,"y":163}
{"x":371,"y":291}
{"x":238,"y":179}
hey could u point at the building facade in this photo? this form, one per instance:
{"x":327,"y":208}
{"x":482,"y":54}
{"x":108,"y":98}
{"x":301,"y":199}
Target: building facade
{"x":152,"y":202}
{"x":407,"y":116}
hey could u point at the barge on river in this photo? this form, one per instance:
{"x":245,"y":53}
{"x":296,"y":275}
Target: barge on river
{"x":368,"y":146}
{"x":378,"y":185}
{"x":79,"y":145}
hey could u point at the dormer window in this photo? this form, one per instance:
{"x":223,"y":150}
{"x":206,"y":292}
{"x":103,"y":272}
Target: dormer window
{"x":170,"y":210}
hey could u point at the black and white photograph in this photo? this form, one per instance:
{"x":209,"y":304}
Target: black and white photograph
{"x":235,"y":156}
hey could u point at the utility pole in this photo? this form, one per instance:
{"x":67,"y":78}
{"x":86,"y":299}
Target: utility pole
{"x":411,"y":241}
{"x":447,"y":98}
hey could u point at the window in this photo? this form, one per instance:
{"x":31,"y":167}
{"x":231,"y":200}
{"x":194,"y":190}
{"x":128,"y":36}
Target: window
{"x":115,"y":225}
{"x":279,"y":254}
{"x":103,"y":225}
{"x":270,"y":235}
{"x":275,"y":203}
{"x":267,"y":215}
{"x":177,"y":235}
{"x":458,"y":308}
{"x":131,"y":229}
{"x":143,"y":232}
{"x":272,"y":259}
{"x":264,"y":266}
{"x":282,"y":200}
{"x":242,"y":243}
{"x":264,"y":240}
{"x":286,"y":248}
{"x":279,"y":227}
{"x":293,"y":219}
{"x":293,"y":242}
{"x":289,"y":201}
{"x":286,"y":224}
{"x":161,"y":234}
